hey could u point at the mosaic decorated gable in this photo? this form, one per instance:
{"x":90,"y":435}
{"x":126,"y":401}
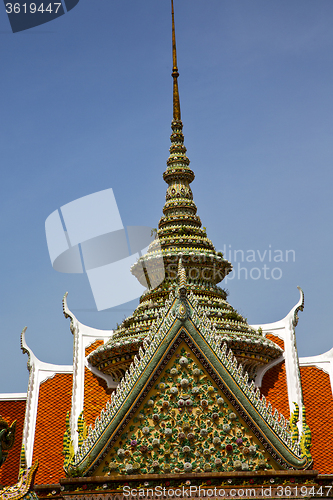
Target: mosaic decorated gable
{"x":185,"y":424}
{"x":183,"y":325}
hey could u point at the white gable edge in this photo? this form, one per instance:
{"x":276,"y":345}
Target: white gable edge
{"x":285,"y":330}
{"x":322,"y":361}
{"x":83,"y":337}
{"x":39,"y":372}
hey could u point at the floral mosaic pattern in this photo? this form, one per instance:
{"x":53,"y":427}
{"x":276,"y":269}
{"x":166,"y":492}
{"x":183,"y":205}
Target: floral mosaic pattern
{"x":186,"y":426}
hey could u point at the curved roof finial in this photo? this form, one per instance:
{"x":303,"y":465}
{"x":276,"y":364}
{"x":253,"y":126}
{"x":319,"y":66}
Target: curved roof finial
{"x":175,"y":74}
{"x":181,"y":273}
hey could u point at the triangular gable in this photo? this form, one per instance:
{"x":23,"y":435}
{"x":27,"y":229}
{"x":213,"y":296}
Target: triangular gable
{"x":184,"y":424}
{"x":181,"y":323}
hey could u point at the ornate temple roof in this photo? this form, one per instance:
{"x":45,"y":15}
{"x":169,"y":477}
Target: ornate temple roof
{"x":200,"y":390}
{"x":201,"y":377}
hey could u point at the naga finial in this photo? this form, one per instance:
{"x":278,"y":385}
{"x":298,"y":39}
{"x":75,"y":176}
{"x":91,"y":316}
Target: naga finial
{"x":306,"y":437}
{"x":182,"y":281}
{"x":293,"y":424}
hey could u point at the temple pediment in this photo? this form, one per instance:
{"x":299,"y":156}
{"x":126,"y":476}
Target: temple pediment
{"x":186,"y":406}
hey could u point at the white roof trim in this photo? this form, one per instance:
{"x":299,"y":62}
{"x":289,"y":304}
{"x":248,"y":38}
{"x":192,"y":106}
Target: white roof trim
{"x":322,"y":361}
{"x":15,"y":396}
{"x":264,"y":369}
{"x":111,"y":383}
{"x":38,"y":373}
{"x":83,"y":337}
{"x":285,"y":330}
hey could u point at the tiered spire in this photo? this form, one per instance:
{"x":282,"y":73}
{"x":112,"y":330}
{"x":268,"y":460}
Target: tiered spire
{"x":179,"y":229}
{"x":180,"y":235}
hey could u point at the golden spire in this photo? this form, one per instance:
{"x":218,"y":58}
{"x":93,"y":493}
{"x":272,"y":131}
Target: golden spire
{"x":175,"y":74}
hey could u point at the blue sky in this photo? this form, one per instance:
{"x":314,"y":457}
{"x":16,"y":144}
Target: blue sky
{"x":86,"y":105}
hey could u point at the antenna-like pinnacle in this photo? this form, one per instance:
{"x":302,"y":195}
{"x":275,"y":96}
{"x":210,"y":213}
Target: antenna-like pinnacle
{"x":175,"y":74}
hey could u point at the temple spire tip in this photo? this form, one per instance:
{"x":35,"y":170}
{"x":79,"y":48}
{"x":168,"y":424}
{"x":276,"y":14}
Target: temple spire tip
{"x":175,"y":74}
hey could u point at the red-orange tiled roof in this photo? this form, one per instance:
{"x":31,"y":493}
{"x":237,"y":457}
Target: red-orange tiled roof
{"x":95,"y":395}
{"x":274,"y":388}
{"x":10,"y":411}
{"x":318,"y":401}
{"x":92,"y":347}
{"x":275,"y":339}
{"x":53,"y":403}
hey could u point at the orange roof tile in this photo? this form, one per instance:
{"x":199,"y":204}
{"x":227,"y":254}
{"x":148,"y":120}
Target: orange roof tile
{"x":274,"y":388}
{"x":318,"y":401}
{"x":95,"y":396}
{"x":96,"y":393}
{"x":10,"y":411}
{"x":53,"y":403}
{"x":92,"y":347}
{"x":275,"y":339}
